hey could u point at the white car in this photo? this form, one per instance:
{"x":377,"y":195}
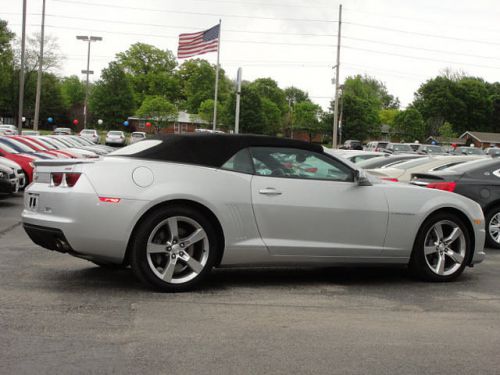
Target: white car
{"x":402,"y":171}
{"x":91,"y":135}
{"x":17,"y":170}
{"x":176,"y":206}
{"x":62,"y":131}
{"x":9,"y":182}
{"x":115,"y":138}
{"x":137,"y":136}
{"x":9,"y":130}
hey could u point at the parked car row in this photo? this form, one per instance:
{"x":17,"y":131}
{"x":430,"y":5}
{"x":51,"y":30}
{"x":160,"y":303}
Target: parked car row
{"x":19,"y":152}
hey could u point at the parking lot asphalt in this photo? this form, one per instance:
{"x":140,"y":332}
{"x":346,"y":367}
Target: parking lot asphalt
{"x":59,"y":314}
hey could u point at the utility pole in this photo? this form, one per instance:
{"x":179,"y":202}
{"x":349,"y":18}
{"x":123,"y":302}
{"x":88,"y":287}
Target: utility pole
{"x":337,"y":67}
{"x":40,"y":70}
{"x":21,"y":72}
{"x":88,"y":39}
{"x":238,"y":94}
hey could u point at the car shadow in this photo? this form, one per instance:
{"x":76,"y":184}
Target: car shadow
{"x":96,"y":278}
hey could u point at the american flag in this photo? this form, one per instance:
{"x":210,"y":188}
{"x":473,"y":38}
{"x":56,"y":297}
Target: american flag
{"x":193,"y":44}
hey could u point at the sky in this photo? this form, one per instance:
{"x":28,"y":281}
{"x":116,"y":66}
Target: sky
{"x":402,"y":43}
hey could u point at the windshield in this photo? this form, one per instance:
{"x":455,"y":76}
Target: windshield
{"x":136,"y":147}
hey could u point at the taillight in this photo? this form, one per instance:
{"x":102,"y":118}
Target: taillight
{"x":64,"y":179}
{"x":446,"y":186}
{"x":392,"y":179}
{"x":56,"y":178}
{"x":72,"y":178}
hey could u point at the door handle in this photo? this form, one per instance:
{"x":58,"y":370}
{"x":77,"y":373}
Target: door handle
{"x":270,"y":191}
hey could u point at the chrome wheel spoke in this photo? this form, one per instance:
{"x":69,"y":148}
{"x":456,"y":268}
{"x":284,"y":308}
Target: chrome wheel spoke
{"x":155,"y":248}
{"x":438,"y":230}
{"x":455,"y":233}
{"x":197,"y":236}
{"x":456,"y":257}
{"x":191,"y":262}
{"x":173,"y":227}
{"x":168,"y":273}
{"x":440,"y":265}
{"x":430,"y":249}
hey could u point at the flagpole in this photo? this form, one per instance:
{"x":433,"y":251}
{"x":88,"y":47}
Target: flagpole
{"x":217,"y":78}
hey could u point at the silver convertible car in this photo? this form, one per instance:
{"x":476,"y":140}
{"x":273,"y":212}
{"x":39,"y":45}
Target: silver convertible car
{"x":176,"y":206}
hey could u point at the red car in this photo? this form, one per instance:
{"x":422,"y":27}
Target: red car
{"x":25,"y":161}
{"x":40,"y":148}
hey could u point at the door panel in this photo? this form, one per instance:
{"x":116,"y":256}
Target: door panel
{"x":319,"y":217}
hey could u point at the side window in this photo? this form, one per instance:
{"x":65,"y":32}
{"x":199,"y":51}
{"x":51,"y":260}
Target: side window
{"x":297,"y":163}
{"x":239,"y":162}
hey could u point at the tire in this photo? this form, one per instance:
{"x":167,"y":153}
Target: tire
{"x":441,"y":255}
{"x":170,"y":261}
{"x":492,"y":219}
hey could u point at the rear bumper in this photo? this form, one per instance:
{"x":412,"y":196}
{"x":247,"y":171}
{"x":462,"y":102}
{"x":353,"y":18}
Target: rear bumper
{"x":49,"y":238}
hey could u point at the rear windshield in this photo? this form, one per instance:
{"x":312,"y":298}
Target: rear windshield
{"x":115,"y":133}
{"x":433,"y":149}
{"x":474,"y":164}
{"x":408,"y":164}
{"x":8,"y":149}
{"x":399,"y":147}
{"x":88,"y":132}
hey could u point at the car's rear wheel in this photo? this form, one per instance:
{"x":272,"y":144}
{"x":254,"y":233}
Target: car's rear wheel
{"x":493,"y":227}
{"x":441,"y":249}
{"x":174,"y":249}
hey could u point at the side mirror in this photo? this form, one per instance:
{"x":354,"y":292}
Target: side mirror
{"x":361,"y":178}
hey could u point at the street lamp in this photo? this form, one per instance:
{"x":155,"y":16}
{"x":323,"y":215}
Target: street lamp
{"x":88,"y":39}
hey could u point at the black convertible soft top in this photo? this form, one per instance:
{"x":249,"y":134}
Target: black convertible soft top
{"x":213,"y":150}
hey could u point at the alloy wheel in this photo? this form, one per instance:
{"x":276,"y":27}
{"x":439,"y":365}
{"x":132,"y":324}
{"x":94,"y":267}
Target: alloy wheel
{"x":177,"y":249}
{"x":444,"y":248}
{"x":494,"y":227}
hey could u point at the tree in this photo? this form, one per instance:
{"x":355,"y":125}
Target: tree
{"x":362,"y":103}
{"x":6,"y":70}
{"x":73,"y":91}
{"x":150,"y":71}
{"x":446,"y":131}
{"x":378,"y":87}
{"x":307,"y":117}
{"x":111,"y":97}
{"x":159,"y":110}
{"x":387,"y":116}
{"x":271,"y":116}
{"x":410,"y":125}
{"x":197,"y":79}
{"x":268,"y":88}
{"x":294,"y":95}
{"x":206,"y":111}
{"x":251,"y":114}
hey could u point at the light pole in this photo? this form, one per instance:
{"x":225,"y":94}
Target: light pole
{"x":88,"y":39}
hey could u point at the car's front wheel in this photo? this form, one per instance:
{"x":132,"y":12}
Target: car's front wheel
{"x":492,"y":219}
{"x":174,"y":249}
{"x":441,"y":249}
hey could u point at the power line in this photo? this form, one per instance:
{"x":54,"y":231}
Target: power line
{"x":421,"y":58}
{"x":422,"y":49}
{"x":218,"y":15}
{"x":422,"y":34}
